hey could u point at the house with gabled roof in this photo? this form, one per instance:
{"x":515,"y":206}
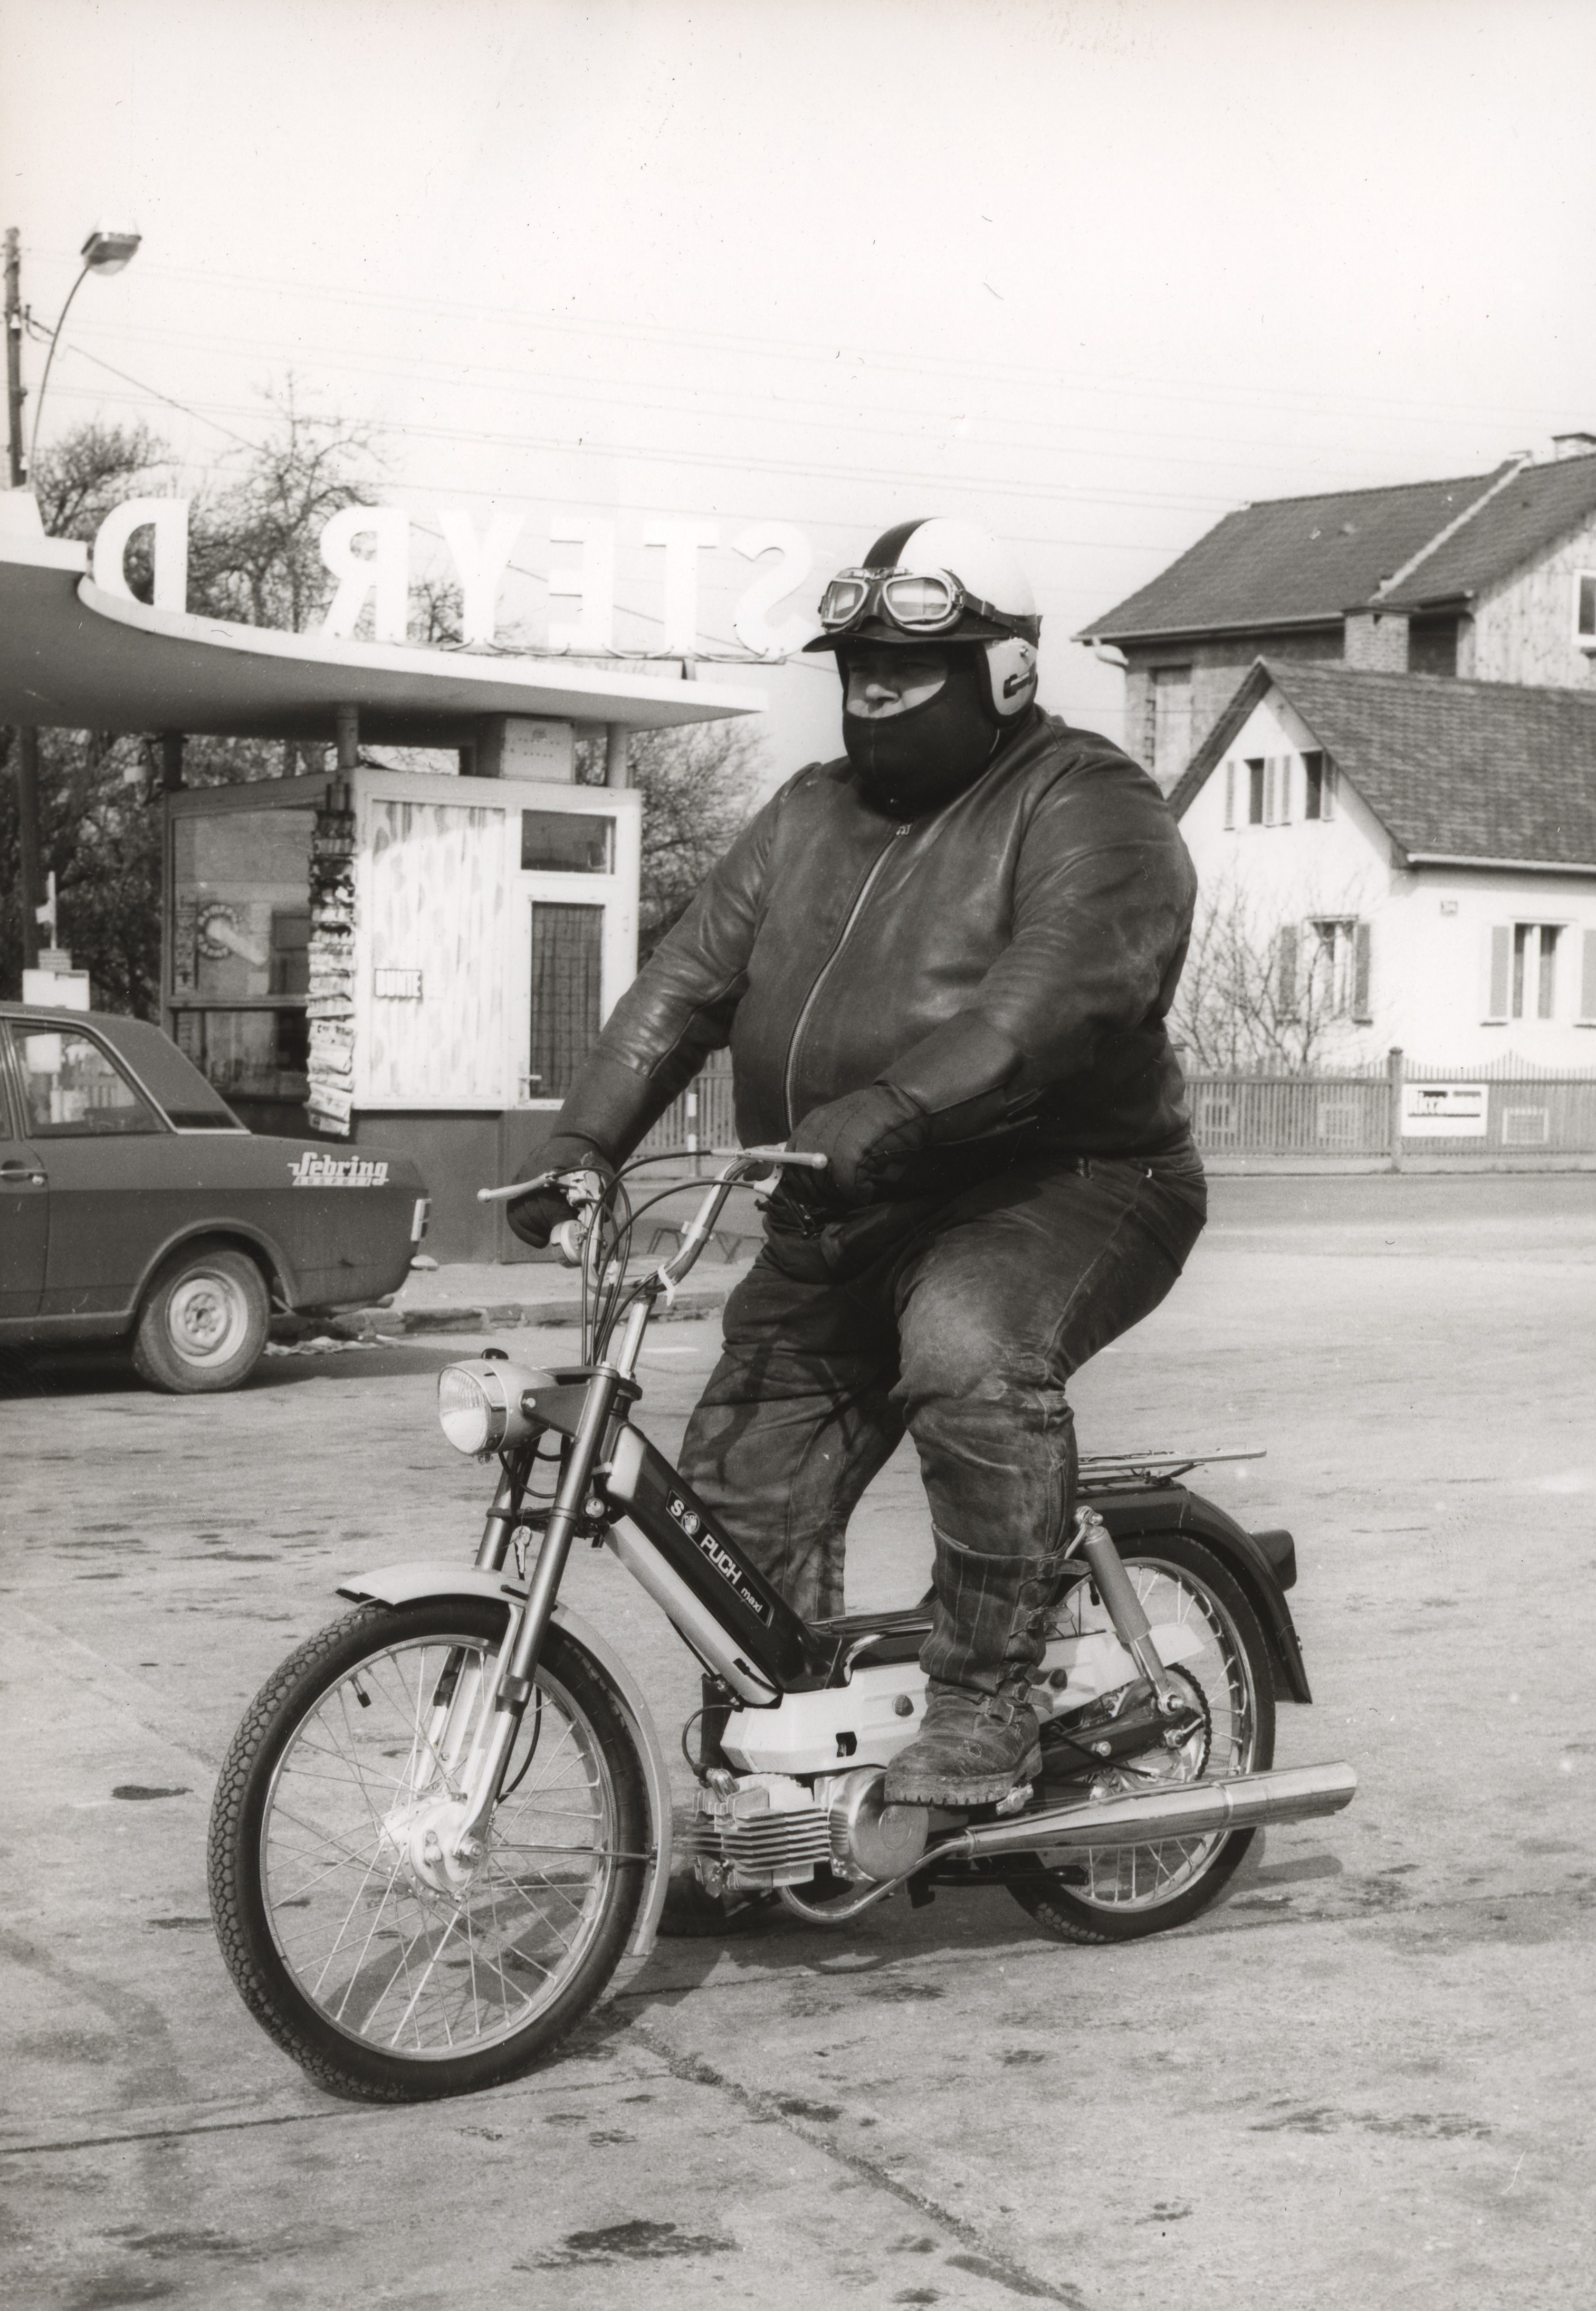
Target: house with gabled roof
{"x":1417,"y":851}
{"x":1490,"y":577}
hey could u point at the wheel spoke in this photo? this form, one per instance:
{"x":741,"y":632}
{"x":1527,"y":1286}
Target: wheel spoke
{"x":384,"y":1956}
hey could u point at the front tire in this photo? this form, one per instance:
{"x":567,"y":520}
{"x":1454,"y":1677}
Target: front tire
{"x":204,"y":1322}
{"x":382,"y":1987}
{"x":1117,"y":1895}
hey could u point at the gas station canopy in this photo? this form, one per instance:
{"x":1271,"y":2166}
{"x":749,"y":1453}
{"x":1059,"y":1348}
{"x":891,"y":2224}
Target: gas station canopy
{"x":74,"y":656}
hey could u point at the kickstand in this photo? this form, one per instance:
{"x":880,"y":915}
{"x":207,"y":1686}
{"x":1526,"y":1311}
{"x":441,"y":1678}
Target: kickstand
{"x":920,"y":1893}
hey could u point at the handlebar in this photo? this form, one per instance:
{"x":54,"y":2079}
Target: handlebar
{"x":519,"y":1188}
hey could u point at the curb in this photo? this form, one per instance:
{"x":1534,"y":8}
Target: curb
{"x":499,"y":1316}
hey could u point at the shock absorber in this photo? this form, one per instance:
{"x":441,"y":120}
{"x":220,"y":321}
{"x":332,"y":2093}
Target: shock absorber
{"x":1118,"y":1592}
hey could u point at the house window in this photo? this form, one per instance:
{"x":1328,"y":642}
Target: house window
{"x":1337,"y":965}
{"x":1524,"y":970}
{"x":1433,"y":646}
{"x":1320,"y":784}
{"x":1584,"y":606}
{"x":1256,"y":766}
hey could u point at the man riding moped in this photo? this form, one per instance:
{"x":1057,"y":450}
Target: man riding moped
{"x":944,"y":962}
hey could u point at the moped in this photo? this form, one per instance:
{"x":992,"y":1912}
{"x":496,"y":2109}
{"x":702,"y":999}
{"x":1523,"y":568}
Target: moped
{"x":446,"y":1818}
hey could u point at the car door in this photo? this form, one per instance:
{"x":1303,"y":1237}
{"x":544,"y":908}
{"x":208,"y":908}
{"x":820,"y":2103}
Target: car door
{"x":112,"y":1162}
{"x":25,"y":1208}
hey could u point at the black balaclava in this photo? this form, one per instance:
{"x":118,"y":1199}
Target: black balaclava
{"x":912,"y":763}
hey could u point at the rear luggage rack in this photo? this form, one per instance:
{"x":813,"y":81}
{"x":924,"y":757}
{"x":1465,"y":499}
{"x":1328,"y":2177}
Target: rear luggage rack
{"x":1109,"y":1473}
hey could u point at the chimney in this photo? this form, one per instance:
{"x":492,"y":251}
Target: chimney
{"x":1572,"y":445}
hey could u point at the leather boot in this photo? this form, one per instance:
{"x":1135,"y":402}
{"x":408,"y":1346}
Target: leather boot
{"x":972,"y":1749}
{"x":978,"y":1739}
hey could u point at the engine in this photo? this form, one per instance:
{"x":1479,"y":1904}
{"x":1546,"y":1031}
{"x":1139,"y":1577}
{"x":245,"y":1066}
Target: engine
{"x":751,"y":1832}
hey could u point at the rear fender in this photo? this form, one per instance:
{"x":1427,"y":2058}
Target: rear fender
{"x":1137,"y":1516}
{"x":410,"y":1583}
{"x":237,"y":1235}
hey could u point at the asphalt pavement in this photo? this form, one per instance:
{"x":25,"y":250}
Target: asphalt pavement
{"x":1362,"y":2079}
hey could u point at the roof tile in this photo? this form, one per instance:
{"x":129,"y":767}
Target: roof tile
{"x":1293,"y":559}
{"x":1475,"y":769}
{"x":1541,"y":504}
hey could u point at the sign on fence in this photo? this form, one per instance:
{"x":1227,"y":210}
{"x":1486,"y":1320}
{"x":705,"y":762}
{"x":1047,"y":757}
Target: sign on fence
{"x":1444,"y":1110}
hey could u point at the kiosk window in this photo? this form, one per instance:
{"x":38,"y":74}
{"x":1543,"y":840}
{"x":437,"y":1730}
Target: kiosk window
{"x":568,"y":842}
{"x":73,"y":1090}
{"x":567,"y":952}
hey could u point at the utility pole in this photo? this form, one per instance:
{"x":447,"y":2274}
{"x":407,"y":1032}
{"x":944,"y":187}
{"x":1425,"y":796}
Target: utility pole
{"x":31,"y":878}
{"x":15,"y":394}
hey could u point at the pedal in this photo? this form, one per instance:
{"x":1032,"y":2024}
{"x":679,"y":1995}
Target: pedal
{"x":1017,"y":1799}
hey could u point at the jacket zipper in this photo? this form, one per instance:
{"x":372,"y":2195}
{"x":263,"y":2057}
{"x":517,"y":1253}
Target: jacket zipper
{"x":825,"y":971}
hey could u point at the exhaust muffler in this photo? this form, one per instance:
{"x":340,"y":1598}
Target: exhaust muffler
{"x":1193,"y":1810}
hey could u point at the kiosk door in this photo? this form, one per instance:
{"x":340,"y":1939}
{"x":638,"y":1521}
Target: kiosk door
{"x":567,"y":978}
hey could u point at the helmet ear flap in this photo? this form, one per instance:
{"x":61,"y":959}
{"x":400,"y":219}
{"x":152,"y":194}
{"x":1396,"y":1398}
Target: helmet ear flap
{"x":1009,"y":668}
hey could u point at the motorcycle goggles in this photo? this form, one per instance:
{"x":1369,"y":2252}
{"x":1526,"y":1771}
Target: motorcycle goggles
{"x":920,"y":604}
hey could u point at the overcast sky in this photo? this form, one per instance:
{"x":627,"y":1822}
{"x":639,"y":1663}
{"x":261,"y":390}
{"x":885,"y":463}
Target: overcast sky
{"x":1091,"y":274}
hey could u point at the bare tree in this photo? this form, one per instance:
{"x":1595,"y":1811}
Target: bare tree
{"x":1270,"y":985}
{"x":254,"y":550}
{"x":698,"y":785}
{"x":254,"y":557}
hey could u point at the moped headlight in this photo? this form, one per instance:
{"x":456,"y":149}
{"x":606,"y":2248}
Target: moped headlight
{"x":471,"y":1411}
{"x":481,"y":1404}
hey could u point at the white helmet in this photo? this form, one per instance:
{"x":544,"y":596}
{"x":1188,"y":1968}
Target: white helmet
{"x":941,"y":580}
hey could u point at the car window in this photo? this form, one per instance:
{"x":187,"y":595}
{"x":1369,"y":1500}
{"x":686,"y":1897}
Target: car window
{"x":73,"y":1089}
{"x":188,"y":1099}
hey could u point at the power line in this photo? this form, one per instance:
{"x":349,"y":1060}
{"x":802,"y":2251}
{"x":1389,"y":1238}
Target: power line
{"x":648,"y":453}
{"x":567,"y":385}
{"x":633,"y":330}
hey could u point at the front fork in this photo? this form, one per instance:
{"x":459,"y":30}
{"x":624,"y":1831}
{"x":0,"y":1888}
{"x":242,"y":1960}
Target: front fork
{"x":1095,"y":1543}
{"x":524,"y":1641}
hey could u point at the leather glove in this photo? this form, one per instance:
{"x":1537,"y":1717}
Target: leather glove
{"x":535,"y":1218}
{"x":865,"y":1137}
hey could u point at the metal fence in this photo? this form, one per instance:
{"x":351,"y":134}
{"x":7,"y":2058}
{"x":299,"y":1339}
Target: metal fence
{"x":1404,"y":1112}
{"x":702,"y":1117}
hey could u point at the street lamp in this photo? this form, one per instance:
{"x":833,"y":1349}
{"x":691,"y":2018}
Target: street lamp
{"x":106,"y":250}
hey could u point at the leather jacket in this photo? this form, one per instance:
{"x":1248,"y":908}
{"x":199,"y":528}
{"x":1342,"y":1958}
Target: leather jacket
{"x":1007,"y":960}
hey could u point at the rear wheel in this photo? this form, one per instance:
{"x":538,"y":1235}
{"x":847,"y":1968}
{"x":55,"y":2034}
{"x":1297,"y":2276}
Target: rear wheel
{"x":1114,"y":1895}
{"x":346,"y":1938}
{"x":204,"y":1322}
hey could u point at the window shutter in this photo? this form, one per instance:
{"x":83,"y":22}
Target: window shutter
{"x":1360,"y":974}
{"x":1501,"y":960}
{"x":1286,"y":971}
{"x":1587,"y":987}
{"x":1230,"y":796}
{"x":1332,"y":778}
{"x":1282,"y":791}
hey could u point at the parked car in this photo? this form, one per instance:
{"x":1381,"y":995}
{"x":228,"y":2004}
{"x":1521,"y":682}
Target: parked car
{"x":133,"y":1203}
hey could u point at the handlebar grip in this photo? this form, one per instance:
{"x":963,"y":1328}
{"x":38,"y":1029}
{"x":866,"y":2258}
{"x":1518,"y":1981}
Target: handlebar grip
{"x":775,"y":1155}
{"x":516,"y":1189}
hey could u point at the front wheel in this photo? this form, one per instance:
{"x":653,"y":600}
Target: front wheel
{"x":384,"y":1977}
{"x":1119,"y":1894}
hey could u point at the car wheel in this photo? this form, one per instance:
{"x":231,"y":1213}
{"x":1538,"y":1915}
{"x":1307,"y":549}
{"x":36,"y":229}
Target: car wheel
{"x":203,"y":1322}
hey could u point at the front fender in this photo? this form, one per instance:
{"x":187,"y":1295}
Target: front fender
{"x":409,"y":1584}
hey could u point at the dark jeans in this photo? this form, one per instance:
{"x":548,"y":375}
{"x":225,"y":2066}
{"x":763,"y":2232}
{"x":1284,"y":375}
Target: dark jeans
{"x":964,"y":1333}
